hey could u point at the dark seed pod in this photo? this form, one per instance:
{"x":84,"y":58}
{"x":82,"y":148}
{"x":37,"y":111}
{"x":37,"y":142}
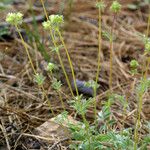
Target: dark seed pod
{"x":82,"y":89}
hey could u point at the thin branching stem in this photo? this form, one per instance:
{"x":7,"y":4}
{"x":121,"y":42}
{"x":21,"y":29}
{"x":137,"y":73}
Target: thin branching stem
{"x":136,"y":136}
{"x":30,"y":60}
{"x":26,"y":49}
{"x":61,"y":100}
{"x":148,"y":24}
{"x":148,"y":59}
{"x":48,"y":101}
{"x":58,"y":54}
{"x":44,"y":9}
{"x":99,"y":52}
{"x":70,"y":62}
{"x":86,"y":128}
{"x":111,"y":53}
{"x":140,"y":97}
{"x":58,"y":92}
{"x":62,"y":65}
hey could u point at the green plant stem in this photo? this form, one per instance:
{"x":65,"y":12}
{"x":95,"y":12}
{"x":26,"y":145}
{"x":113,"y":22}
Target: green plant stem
{"x":58,"y":54}
{"x":148,"y":24}
{"x":61,"y":100}
{"x":124,"y":117}
{"x":26,"y":49}
{"x":44,"y":9}
{"x":136,"y":136}
{"x":48,"y":101}
{"x":99,"y":52}
{"x":111,"y":54}
{"x":147,"y":67}
{"x":63,"y":68}
{"x":59,"y":92}
{"x":70,"y":62}
{"x":84,"y":120}
{"x":87,"y":128}
{"x":148,"y":59}
{"x":30,"y":60}
{"x":69,"y":9}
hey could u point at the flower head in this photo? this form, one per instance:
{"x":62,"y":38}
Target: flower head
{"x":56,"y":49}
{"x":14,"y":18}
{"x":46,"y":25}
{"x":147,"y":47}
{"x":115,"y":7}
{"x":134,"y":64}
{"x":80,"y":104}
{"x":51,"y":66}
{"x":92,"y":84}
{"x":56,"y":21}
{"x":101,"y":5}
{"x":56,"y":85}
{"x":39,"y":79}
{"x":61,"y":118}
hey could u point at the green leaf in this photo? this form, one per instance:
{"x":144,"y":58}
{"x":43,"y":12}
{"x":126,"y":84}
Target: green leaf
{"x":103,"y":138}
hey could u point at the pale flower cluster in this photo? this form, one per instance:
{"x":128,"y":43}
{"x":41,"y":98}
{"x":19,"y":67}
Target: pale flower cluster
{"x":14,"y":18}
{"x":54,"y":22}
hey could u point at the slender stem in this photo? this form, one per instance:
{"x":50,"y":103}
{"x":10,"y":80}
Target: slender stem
{"x":70,"y":62}
{"x":87,"y":129}
{"x":61,"y":100}
{"x":124,"y":117}
{"x":58,"y":91}
{"x":147,"y":67}
{"x":111,"y":53}
{"x":30,"y":59}
{"x":58,"y":54}
{"x":27,"y":51}
{"x":136,"y":136}
{"x":61,"y":63}
{"x":138,"y":121}
{"x":148,"y":24}
{"x":48,"y":101}
{"x":148,"y":59}
{"x":99,"y":46}
{"x":98,"y":63}
{"x":44,"y":9}
{"x":63,"y":68}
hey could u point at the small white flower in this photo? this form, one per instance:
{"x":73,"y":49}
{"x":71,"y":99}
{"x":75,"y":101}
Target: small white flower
{"x":115,"y":7}
{"x":51,"y":66}
{"x":56,"y":19}
{"x":14,"y":18}
{"x":46,"y":25}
